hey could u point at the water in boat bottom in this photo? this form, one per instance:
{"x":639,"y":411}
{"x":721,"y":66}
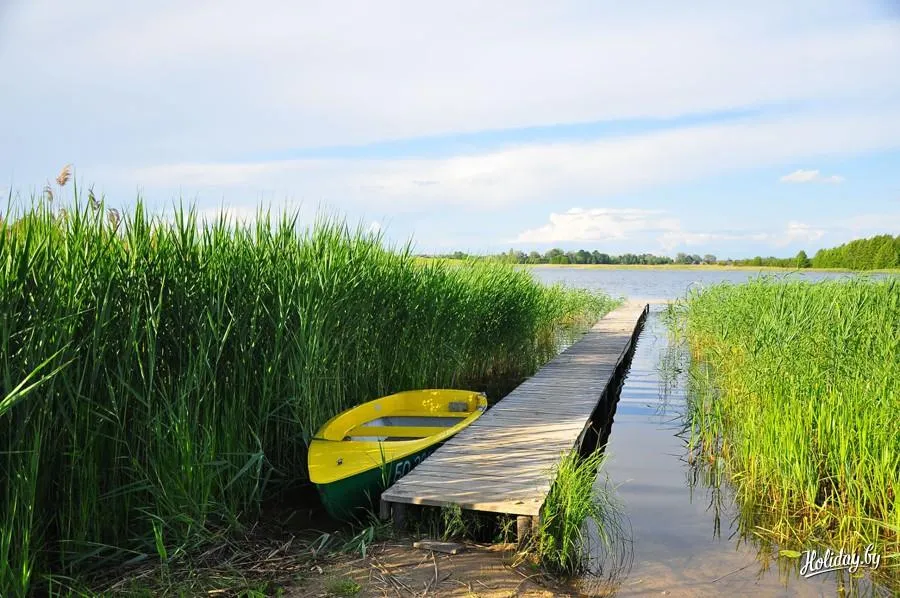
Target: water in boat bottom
{"x":684,"y":535}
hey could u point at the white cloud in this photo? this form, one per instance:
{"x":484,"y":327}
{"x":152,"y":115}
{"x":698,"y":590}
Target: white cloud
{"x":374,"y":227}
{"x":798,"y":231}
{"x":202,"y":80}
{"x":598,"y":224}
{"x":629,"y":224}
{"x":537,"y":171}
{"x":810,"y":176}
{"x":793,"y":232}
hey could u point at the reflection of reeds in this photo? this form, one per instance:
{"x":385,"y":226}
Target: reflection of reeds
{"x":160,"y":379}
{"x":794,"y":395}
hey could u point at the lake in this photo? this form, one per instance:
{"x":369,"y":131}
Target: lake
{"x":662,"y":283}
{"x":685,"y":532}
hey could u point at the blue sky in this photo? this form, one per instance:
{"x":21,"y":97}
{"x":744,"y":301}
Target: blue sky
{"x":709,"y":127}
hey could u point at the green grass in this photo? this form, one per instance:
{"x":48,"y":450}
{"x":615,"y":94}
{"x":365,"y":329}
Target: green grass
{"x":158,"y":378}
{"x":795,"y":391}
{"x":574,"y":505}
{"x":343,"y":587}
{"x":452,"y":523}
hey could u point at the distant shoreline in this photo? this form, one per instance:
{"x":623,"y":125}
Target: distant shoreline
{"x":710,"y":267}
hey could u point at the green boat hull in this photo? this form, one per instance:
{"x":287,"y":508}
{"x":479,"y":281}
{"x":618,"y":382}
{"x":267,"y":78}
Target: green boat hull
{"x":353,"y":497}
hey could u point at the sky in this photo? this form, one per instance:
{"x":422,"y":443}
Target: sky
{"x":731,"y":128}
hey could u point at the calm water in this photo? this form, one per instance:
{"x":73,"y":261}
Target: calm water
{"x":685,"y":538}
{"x":658,"y":284}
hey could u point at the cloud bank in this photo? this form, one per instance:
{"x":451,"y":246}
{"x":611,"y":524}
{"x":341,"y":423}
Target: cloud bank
{"x":605,"y":225}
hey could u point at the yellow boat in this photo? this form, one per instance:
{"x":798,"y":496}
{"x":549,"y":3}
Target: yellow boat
{"x":362,"y":451}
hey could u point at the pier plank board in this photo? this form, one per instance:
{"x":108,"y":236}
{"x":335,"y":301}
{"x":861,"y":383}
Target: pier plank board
{"x":504,"y":461}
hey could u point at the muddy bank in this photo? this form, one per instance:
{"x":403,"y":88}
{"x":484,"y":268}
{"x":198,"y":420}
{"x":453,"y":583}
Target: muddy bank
{"x":395,"y":568}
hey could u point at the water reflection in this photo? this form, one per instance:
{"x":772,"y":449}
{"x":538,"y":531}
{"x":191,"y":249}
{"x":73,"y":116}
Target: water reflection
{"x":688,"y":537}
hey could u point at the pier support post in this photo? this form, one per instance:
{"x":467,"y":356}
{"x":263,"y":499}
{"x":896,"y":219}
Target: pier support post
{"x":524,"y":529}
{"x":398,"y":511}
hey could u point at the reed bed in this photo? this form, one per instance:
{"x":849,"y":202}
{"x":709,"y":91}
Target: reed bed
{"x":572,"y":505}
{"x":160,"y":377}
{"x":584,"y":535}
{"x":795,"y":393}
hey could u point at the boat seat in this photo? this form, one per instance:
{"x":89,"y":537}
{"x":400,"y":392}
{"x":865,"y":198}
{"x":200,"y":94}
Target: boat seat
{"x":397,"y":431}
{"x":457,"y":415}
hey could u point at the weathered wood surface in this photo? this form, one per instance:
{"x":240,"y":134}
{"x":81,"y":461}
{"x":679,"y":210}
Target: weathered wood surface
{"x":503,"y":462}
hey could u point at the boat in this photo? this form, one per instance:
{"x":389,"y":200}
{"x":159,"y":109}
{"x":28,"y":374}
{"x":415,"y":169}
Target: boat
{"x":357,"y":454}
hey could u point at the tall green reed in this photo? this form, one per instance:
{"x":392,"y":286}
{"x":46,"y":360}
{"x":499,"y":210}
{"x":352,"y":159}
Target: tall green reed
{"x":795,"y":386}
{"x":577,"y":510}
{"x":159,"y":377}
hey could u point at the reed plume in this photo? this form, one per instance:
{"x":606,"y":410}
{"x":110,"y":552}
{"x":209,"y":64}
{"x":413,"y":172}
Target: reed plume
{"x":64,"y":175}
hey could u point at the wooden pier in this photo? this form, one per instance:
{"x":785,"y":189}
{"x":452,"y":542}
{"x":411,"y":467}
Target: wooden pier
{"x":504,"y":461}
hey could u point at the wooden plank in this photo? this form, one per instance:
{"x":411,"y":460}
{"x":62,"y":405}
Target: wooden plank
{"x":556,"y":400}
{"x":533,"y":473}
{"x":483,"y":445}
{"x":504,"y":434}
{"x":494,"y":465}
{"x":531,"y":506}
{"x":511,"y":464}
{"x":537,"y":471}
{"x":509,"y":452}
{"x":529,"y":422}
{"x":563,"y":415}
{"x":495,"y":469}
{"x":523,"y":421}
{"x":497,"y":495}
{"x":482,"y":493}
{"x":444,"y":547}
{"x":510,"y":427}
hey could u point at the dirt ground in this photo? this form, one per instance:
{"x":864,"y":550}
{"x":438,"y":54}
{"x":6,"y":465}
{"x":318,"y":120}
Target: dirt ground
{"x":394,"y":568}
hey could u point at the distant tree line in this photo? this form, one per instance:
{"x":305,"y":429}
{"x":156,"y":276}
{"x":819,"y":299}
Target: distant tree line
{"x":877,"y":253}
{"x":801,"y":260}
{"x":582,"y":256}
{"x":880,"y":252}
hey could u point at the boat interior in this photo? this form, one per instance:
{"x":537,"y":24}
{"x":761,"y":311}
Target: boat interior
{"x":403,"y":427}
